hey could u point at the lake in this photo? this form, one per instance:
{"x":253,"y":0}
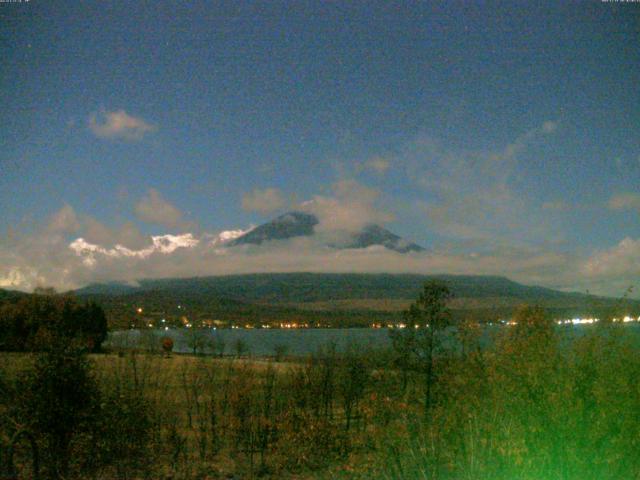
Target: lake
{"x":258,"y":341}
{"x":264,"y":342}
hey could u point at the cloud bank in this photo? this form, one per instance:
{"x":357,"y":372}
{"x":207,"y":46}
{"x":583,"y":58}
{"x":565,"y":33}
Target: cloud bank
{"x":475,"y":195}
{"x":154,"y":209}
{"x":264,"y":201}
{"x":378,"y":165}
{"x":61,"y":254}
{"x":473,"y":199}
{"x":119,"y":124}
{"x":350,"y":207}
{"x":625,"y":201}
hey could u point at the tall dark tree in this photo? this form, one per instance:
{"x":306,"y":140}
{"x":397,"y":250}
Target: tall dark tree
{"x":93,"y":325}
{"x":58,"y":396}
{"x":417,"y":343}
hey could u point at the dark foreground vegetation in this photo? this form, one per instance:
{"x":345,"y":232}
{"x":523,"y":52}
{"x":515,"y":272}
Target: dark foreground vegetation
{"x":35,"y":322}
{"x":531,"y":405}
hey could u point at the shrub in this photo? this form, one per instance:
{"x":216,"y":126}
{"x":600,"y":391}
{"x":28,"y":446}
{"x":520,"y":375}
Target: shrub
{"x":121,"y":432}
{"x":167,"y":345}
{"x":58,"y":398}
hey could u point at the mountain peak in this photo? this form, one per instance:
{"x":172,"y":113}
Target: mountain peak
{"x":301,"y":224}
{"x":289,"y":225}
{"x":376,"y":235}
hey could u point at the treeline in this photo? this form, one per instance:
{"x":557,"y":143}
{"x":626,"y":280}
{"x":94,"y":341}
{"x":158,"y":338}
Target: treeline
{"x":32,"y":322}
{"x":122,"y":315}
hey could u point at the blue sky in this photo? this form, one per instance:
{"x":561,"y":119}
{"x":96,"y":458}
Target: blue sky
{"x":491,"y":130}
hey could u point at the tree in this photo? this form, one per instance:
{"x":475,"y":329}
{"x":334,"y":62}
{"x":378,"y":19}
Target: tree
{"x":280,"y":351}
{"x":352,"y":381}
{"x":88,"y":322}
{"x":58,"y":399}
{"x":417,"y":343}
{"x":95,"y":327}
{"x":218,"y":344}
{"x":241,"y":347}
{"x":79,"y":425}
{"x":35,"y":321}
{"x":197,"y":340}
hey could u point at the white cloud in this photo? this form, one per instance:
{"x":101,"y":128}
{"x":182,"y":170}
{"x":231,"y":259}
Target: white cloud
{"x":152,"y":208}
{"x":556,"y":206}
{"x":378,"y":164}
{"x":625,"y":201}
{"x":119,"y":124}
{"x":16,"y":278}
{"x":615,"y":269}
{"x":64,"y":221}
{"x":308,"y":254}
{"x":264,"y":201}
{"x":351,"y":207}
{"x":163,"y":244}
{"x":549,"y":126}
{"x":47,"y":258}
{"x":127,"y":234}
{"x":103,"y":253}
{"x":228,"y":235}
{"x":474,"y":195}
{"x":170,"y":243}
{"x":619,"y":261}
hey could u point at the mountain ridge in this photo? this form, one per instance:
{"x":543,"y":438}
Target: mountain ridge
{"x":332,"y":299}
{"x":295,"y":224}
{"x":311,"y":285}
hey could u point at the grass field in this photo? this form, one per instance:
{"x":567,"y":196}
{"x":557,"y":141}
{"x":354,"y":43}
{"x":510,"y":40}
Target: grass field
{"x":209,"y":416}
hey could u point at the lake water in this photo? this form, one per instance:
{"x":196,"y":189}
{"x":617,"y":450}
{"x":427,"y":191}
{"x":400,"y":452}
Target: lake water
{"x":258,"y":341}
{"x":264,"y":342}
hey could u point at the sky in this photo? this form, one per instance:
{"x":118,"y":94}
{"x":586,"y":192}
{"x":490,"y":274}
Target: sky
{"x":504,"y":138}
